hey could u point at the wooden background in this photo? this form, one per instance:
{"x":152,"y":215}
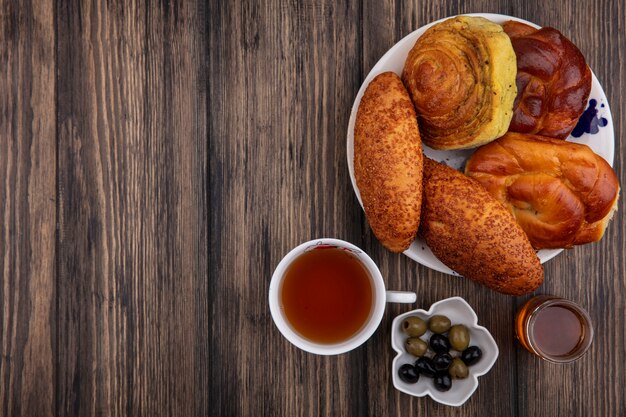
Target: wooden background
{"x":158,"y":159}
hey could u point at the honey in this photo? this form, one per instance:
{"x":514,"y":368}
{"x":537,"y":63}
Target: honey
{"x":553,"y":328}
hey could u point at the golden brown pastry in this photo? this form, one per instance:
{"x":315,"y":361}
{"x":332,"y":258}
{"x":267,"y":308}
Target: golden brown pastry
{"x":388,"y":161}
{"x":461,"y":77}
{"x":561,"y":193}
{"x":473,"y":234}
{"x":553,"y":81}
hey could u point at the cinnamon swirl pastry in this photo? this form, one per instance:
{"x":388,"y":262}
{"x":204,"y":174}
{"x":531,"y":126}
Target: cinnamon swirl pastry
{"x":461,"y":77}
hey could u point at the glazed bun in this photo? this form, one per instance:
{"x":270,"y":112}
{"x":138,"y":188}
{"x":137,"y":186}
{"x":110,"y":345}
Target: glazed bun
{"x":461,"y":77}
{"x":561,"y":193}
{"x":553,"y":81}
{"x":388,"y":161}
{"x":473,"y":234}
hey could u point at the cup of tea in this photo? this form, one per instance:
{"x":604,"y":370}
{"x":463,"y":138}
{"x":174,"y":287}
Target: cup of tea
{"x":328,"y":297}
{"x":553,"y":328}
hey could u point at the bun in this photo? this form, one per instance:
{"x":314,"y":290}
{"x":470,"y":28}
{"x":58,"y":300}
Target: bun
{"x":561,"y":193}
{"x":461,"y":77}
{"x":553,"y":81}
{"x":472,"y":233}
{"x":388,"y":161}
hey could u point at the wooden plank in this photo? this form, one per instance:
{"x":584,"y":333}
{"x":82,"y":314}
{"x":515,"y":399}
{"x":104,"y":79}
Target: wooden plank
{"x":283,"y":77}
{"x":132,"y":163}
{"x":27,"y":208}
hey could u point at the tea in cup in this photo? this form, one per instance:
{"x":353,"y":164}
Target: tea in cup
{"x":328,"y":297}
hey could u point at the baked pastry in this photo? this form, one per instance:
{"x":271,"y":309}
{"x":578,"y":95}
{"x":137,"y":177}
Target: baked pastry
{"x":388,"y":161}
{"x":461,"y":77}
{"x":553,"y":81}
{"x":561,"y":193}
{"x":472,"y":233}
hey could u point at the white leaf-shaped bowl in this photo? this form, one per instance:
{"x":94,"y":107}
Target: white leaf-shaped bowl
{"x":459,"y":312}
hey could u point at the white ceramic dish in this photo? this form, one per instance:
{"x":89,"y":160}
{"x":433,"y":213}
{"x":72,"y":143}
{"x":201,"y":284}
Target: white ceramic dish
{"x":459,"y":312}
{"x":602,"y":142}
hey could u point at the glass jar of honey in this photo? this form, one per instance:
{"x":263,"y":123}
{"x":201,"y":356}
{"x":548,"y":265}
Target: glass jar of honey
{"x":553,"y":328}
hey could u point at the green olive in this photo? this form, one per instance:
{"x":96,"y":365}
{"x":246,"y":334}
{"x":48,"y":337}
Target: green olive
{"x":458,"y":369}
{"x":439,"y":324}
{"x":414,"y":326}
{"x":416,"y":346}
{"x":459,"y":337}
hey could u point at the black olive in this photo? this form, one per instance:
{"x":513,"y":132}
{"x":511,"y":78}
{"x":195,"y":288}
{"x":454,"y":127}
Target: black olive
{"x":442,"y":361}
{"x":439,"y":343}
{"x":408,"y":373}
{"x":425,"y":366}
{"x":442,"y":381}
{"x":471,"y":355}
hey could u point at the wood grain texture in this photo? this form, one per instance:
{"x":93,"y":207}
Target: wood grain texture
{"x":281,"y":93}
{"x":158,"y":159}
{"x":132,"y":242}
{"x":27,"y":208}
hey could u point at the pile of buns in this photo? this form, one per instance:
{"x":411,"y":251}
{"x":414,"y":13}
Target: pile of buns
{"x":514,"y":91}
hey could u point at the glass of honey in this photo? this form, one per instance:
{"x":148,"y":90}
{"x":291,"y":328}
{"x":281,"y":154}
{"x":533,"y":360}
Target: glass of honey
{"x":553,"y":328}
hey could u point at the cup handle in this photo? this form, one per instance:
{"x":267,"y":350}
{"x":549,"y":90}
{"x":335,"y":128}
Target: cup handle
{"x":404,"y":297}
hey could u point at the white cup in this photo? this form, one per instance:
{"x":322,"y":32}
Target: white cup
{"x":379,"y":298}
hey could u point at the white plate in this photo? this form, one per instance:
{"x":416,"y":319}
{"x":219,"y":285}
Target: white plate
{"x":459,"y":312}
{"x":602,"y":142}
